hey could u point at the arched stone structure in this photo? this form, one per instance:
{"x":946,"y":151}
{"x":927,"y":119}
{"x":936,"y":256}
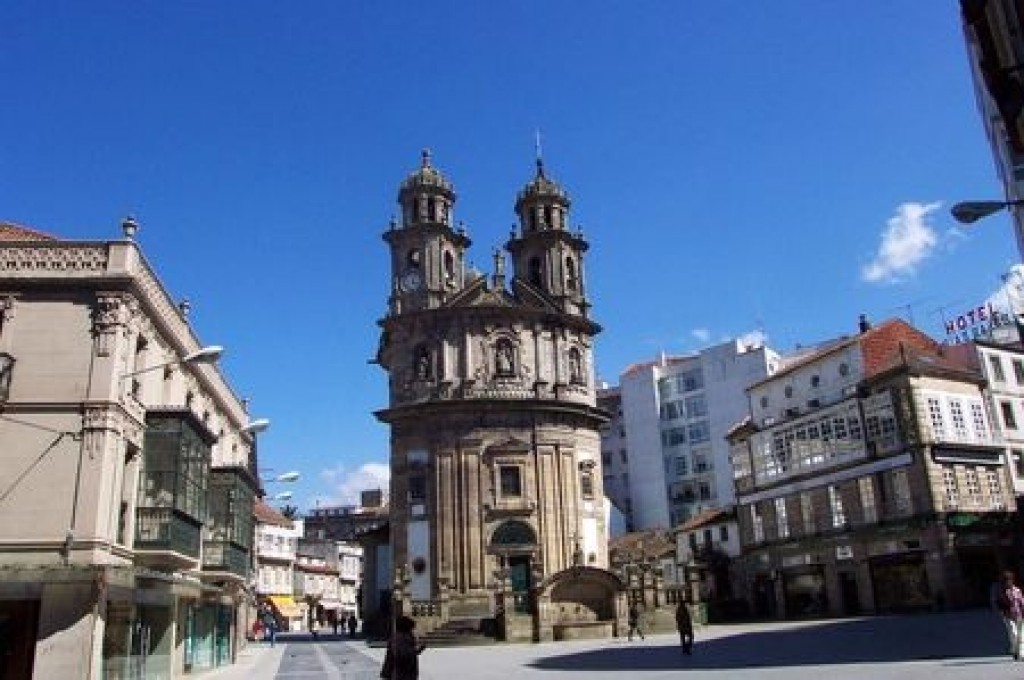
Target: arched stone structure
{"x":580,"y":602}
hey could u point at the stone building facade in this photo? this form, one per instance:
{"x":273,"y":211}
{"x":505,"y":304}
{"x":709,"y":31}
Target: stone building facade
{"x":127,"y":471}
{"x":496,"y":480}
{"x":870,"y":477}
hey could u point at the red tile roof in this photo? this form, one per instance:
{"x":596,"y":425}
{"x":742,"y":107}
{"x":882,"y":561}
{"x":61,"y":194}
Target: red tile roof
{"x":15,"y":232}
{"x":707,"y":518}
{"x":267,"y":515}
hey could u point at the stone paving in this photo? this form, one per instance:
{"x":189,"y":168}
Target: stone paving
{"x":957,"y":645}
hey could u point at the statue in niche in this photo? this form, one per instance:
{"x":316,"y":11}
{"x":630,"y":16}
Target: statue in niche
{"x":422,"y":363}
{"x":504,"y":359}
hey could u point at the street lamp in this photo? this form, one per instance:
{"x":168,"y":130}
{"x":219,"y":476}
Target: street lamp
{"x":969,"y":212}
{"x":256,"y":426}
{"x":205,"y":355}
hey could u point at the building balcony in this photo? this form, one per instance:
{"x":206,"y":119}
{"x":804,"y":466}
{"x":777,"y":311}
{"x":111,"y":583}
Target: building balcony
{"x":225,"y":557}
{"x":166,"y":537}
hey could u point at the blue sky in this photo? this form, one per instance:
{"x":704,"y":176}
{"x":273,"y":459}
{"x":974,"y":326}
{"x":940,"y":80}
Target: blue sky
{"x":737,"y":166}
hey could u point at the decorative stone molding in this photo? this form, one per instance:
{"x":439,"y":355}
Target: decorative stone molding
{"x":111,"y":313}
{"x":62,"y":259}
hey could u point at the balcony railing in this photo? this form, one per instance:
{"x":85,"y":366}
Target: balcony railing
{"x":225,"y":556}
{"x":167,"y":529}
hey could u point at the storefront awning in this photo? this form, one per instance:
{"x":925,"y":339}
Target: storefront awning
{"x":286,"y":606}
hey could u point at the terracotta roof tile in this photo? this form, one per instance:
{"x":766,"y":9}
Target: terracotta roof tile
{"x":15,"y":232}
{"x":267,"y":515}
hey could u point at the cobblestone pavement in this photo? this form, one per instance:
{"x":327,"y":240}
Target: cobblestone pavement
{"x":955,"y":646}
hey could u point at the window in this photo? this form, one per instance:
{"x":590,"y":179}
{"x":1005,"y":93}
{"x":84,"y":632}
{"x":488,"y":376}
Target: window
{"x":764,"y":402}
{"x":1018,"y":371}
{"x":673,"y":437}
{"x":575,"y":367}
{"x":835,"y":501}
{"x":681,"y":467}
{"x":723,"y":533}
{"x":973,"y":487}
{"x":699,"y":431}
{"x":704,"y":491}
{"x":701,"y":463}
{"x":815,"y":380}
{"x":690,"y":380}
{"x":995,"y":490}
{"x":606,"y":457}
{"x":956,"y":409}
{"x":866,"y":487}
{"x":807,"y":512}
{"x":756,"y":524}
{"x":707,"y":538}
{"x":789,"y":391}
{"x":536,"y":271}
{"x":951,"y":488}
{"x":417,"y":488}
{"x":781,"y":520}
{"x":511,"y":480}
{"x":504,"y":359}
{"x":936,"y":419}
{"x":1018,"y":462}
{"x":696,"y":407}
{"x":623,"y":456}
{"x":587,"y":485}
{"x":1009,"y":420}
{"x":978,"y":419}
{"x":997,"y":368}
{"x":693,"y":542}
{"x":844,"y":369}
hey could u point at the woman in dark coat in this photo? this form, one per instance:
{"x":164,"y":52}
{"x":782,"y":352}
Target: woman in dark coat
{"x":685,"y":625}
{"x":401,"y":661}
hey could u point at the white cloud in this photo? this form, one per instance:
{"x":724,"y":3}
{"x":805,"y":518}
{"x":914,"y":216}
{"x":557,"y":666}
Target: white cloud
{"x":701,"y":334}
{"x":908,"y":240}
{"x":346,"y":485}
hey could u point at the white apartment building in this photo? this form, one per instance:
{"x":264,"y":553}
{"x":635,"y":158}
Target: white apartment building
{"x":277,"y":540}
{"x":667,"y":436}
{"x":350,"y":575}
{"x":1003,"y":367}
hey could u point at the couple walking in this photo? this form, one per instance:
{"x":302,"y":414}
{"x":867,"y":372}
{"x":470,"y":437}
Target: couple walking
{"x":684,"y":624}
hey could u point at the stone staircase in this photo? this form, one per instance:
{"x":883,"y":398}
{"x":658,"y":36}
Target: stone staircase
{"x":461,"y":632}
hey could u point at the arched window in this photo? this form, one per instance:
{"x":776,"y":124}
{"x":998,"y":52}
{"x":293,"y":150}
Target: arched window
{"x":449,"y":266}
{"x":514,"y":532}
{"x":575,"y":366}
{"x":536,"y":272}
{"x":570,"y":273}
{"x":431,"y":209}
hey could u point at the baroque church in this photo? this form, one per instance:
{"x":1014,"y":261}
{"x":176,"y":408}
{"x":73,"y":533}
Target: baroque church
{"x":496,"y":488}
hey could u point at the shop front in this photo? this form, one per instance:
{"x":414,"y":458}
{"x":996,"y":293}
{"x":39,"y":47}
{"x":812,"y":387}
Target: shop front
{"x":804,"y":592}
{"x":900,"y":582}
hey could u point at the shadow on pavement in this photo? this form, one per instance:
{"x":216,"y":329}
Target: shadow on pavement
{"x":959,"y":635}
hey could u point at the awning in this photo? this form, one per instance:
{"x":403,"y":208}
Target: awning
{"x":286,"y":606}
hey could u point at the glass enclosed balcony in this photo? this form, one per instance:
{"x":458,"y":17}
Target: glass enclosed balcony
{"x":227,"y":535}
{"x":173,"y":486}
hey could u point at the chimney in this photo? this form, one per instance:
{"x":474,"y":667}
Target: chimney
{"x":863,"y":324}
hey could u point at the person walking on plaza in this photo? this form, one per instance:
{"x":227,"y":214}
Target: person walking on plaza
{"x":684,"y":623}
{"x":635,"y":622}
{"x":402,"y":658}
{"x":270,"y":625}
{"x":1010,"y":603}
{"x":353,"y":623}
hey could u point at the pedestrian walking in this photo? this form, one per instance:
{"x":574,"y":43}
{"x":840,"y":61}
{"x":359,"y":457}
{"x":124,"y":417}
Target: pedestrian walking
{"x":270,"y":625}
{"x":1010,"y":603}
{"x":353,"y":624}
{"x":684,"y":623}
{"x":635,"y":622}
{"x":402,"y":658}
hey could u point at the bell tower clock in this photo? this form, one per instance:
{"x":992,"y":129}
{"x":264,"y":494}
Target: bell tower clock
{"x":427,"y":254}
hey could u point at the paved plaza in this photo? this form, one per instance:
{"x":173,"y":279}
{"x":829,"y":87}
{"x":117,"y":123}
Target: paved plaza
{"x":963,"y":645}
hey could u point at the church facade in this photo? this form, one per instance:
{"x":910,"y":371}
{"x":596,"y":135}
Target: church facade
{"x":496,"y":483}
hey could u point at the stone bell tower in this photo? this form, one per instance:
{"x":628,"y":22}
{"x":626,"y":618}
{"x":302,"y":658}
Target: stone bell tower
{"x":495,"y":451}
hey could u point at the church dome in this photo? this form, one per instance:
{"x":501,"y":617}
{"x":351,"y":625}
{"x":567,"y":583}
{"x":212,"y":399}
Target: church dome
{"x":426,"y":179}
{"x":541,"y":189}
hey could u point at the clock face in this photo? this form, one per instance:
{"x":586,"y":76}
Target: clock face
{"x":411,"y":280}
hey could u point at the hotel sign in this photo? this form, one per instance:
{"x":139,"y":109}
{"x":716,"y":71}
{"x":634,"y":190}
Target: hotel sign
{"x":977,"y":323}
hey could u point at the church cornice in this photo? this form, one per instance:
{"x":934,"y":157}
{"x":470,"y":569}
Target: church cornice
{"x":586,"y":415}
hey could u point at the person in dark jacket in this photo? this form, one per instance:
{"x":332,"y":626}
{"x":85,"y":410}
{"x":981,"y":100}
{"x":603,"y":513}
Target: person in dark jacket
{"x":635,"y":622}
{"x":402,"y":658}
{"x":684,"y":623}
